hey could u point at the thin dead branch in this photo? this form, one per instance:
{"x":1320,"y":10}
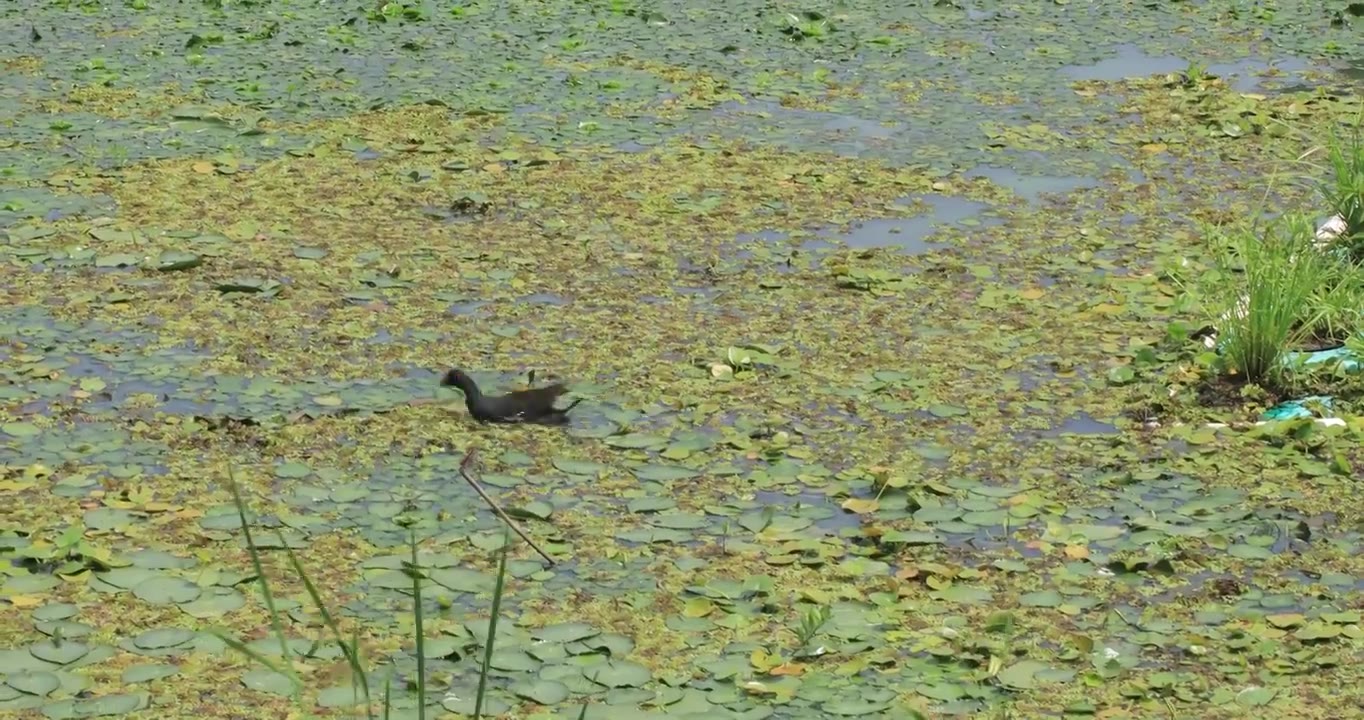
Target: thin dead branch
{"x":466,"y":470}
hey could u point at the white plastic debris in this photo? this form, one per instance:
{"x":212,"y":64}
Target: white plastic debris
{"x":1330,"y":230}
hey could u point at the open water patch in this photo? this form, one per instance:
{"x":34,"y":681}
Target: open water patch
{"x":1130,"y":61}
{"x":1032,"y":187}
{"x":1082,"y":424}
{"x":909,"y":235}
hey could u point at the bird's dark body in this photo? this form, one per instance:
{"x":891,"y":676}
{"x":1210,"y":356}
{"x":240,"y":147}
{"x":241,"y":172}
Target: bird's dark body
{"x":535,"y":405}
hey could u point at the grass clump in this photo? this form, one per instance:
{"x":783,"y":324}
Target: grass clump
{"x":405,"y":704}
{"x":1273,"y":292}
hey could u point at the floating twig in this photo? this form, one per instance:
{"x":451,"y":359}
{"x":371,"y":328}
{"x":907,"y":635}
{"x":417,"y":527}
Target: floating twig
{"x":465,"y":471}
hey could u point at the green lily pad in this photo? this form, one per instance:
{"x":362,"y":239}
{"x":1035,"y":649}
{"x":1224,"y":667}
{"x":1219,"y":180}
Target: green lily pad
{"x":853,"y":707}
{"x":34,"y":683}
{"x":513,"y":661}
{"x":1249,"y":552}
{"x":21,"y":429}
{"x":912,"y":537}
{"x":1020,"y":675}
{"x":59,"y":653}
{"x":162,"y":638}
{"x":159,"y":560}
{"x":535,"y":510}
{"x":108,"y":518}
{"x":214,"y":602}
{"x":340,"y":696}
{"x":249,"y":285}
{"x":543,"y":692}
{"x":663,"y":473}
{"x":1121,"y":375}
{"x":56,"y":611}
{"x":65,"y":629}
{"x":126,"y":577}
{"x":120,"y":704}
{"x":309,"y":253}
{"x":461,"y":580}
{"x":565,"y":632}
{"x":29,"y":585}
{"x":947,"y":411}
{"x":268,"y":681}
{"x":618,"y":673}
{"x":579,"y":467}
{"x":680,"y":521}
{"x":464,"y":705}
{"x":173,"y":260}
{"x":166,"y":590}
{"x":941,"y":691}
{"x":1041,"y":598}
{"x":440,"y":647}
{"x":1256,"y":697}
{"x":651,"y":504}
{"x":636,"y":441}
{"x":148,"y":672}
{"x":964,"y":594}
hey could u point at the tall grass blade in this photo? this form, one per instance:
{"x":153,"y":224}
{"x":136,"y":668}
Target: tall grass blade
{"x":350,"y":652}
{"x":256,"y":656}
{"x":492,"y":625}
{"x":359,"y":682}
{"x":388,"y":694}
{"x":414,"y":571}
{"x":275,"y":625}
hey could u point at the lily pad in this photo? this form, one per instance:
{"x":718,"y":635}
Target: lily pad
{"x":162,"y":638}
{"x":34,"y":683}
{"x":618,"y":673}
{"x":310,"y":253}
{"x":166,"y":590}
{"x":663,"y":473}
{"x":579,"y":467}
{"x":120,"y":704}
{"x":173,"y":260}
{"x":542,"y":692}
{"x":636,"y":441}
{"x":268,"y":681}
{"x":59,"y":652}
{"x":214,"y":602}
{"x":565,"y":632}
{"x":147,"y":673}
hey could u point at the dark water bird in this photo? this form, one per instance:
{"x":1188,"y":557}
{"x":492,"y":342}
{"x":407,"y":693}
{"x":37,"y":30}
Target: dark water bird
{"x":534,"y":405}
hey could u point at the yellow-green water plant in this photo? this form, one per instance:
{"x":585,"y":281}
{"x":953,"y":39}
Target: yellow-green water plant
{"x":1262,"y":294}
{"x":812,"y":620}
{"x":350,"y":648}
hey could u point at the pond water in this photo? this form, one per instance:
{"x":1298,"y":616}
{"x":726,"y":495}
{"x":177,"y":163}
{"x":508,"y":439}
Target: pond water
{"x":850,"y":297}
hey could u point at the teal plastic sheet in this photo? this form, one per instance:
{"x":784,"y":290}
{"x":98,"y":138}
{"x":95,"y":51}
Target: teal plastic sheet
{"x":1296,"y":408}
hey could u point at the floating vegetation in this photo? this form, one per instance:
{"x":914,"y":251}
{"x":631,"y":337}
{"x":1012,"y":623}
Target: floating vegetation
{"x":898,"y":328}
